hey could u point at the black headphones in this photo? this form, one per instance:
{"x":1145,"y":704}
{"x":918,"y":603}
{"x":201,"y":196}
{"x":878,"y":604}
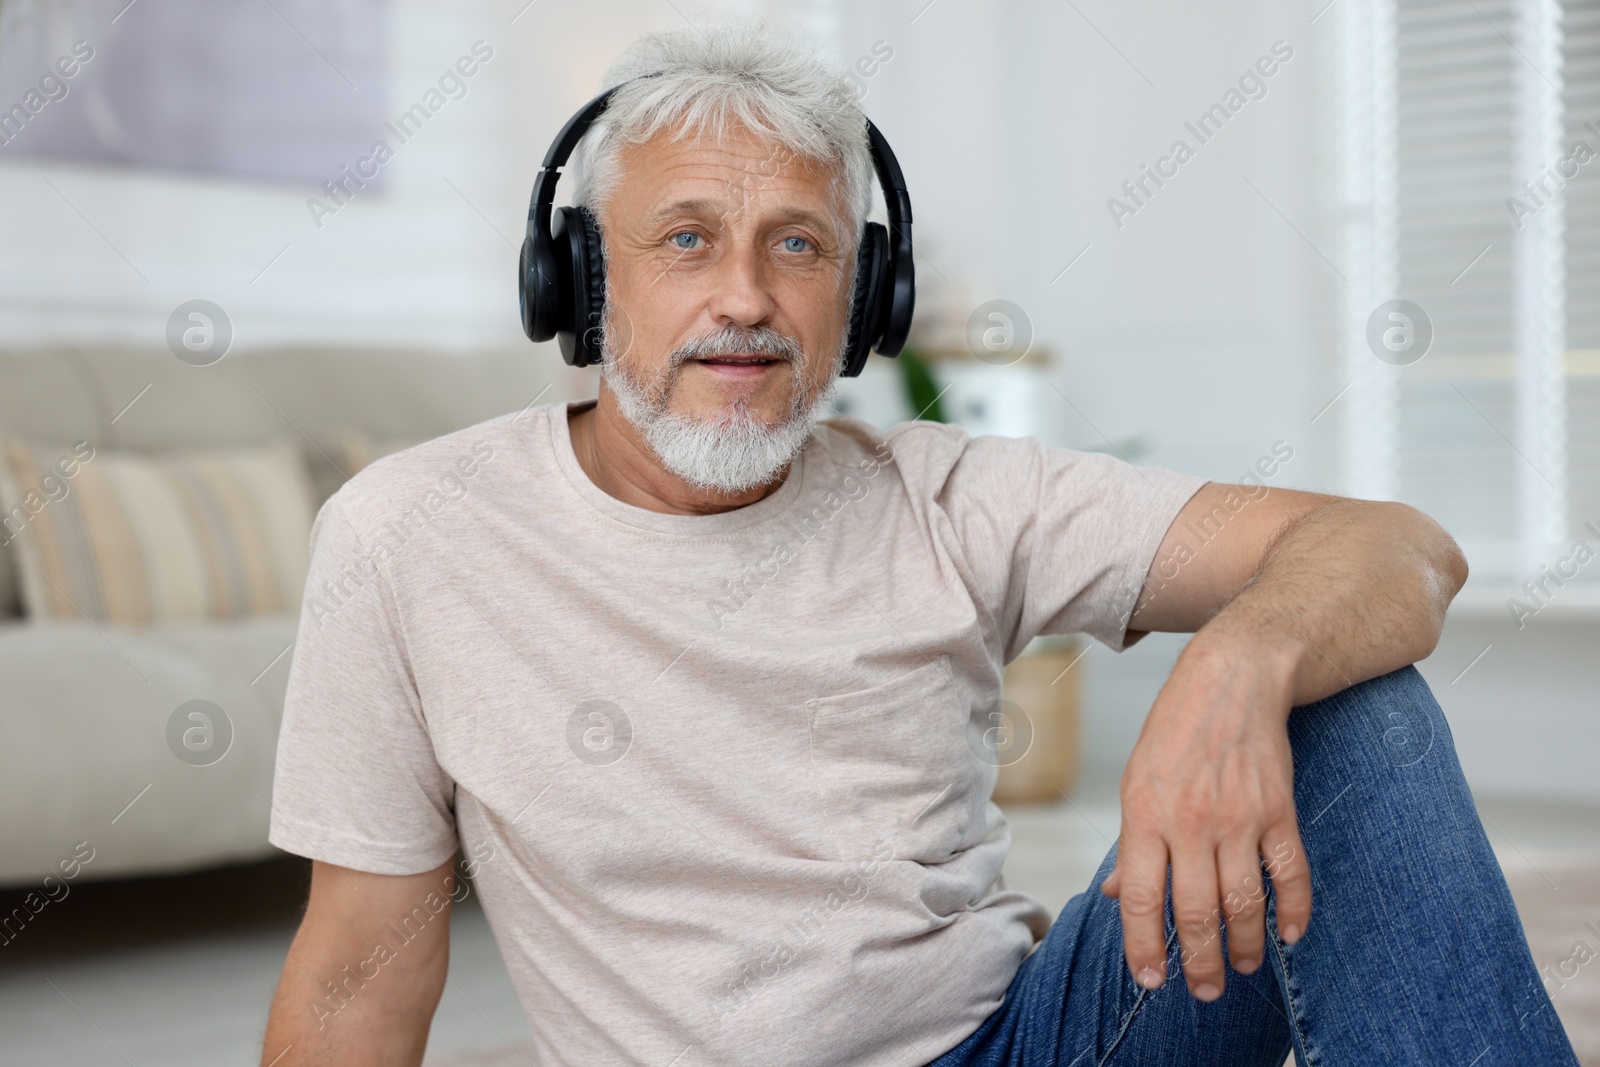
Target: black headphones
{"x":561,"y":278}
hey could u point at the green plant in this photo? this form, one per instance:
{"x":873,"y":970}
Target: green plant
{"x":922,"y":391}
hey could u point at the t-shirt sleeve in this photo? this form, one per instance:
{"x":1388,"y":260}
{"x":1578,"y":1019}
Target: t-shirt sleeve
{"x":356,"y":783}
{"x":1061,"y":540}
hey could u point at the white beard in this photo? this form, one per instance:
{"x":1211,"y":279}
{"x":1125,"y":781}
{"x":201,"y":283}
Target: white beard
{"x":736,"y":451}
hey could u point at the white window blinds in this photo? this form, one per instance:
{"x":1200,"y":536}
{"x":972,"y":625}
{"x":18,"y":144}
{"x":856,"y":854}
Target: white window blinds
{"x":1581,"y":119}
{"x":1463,"y":191}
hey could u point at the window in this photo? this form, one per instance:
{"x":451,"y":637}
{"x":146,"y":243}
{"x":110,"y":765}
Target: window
{"x":1469,"y":185}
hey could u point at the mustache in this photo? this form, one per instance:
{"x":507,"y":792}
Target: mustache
{"x":737,"y":340}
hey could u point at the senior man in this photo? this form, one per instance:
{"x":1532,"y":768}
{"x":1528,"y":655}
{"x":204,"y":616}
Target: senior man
{"x":690,"y":678}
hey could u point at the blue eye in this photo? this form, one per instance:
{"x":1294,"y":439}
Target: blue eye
{"x":789,"y":244}
{"x":677,"y":239}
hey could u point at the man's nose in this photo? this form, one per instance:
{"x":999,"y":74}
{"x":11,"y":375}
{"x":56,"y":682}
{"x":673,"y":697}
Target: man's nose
{"x":742,"y":286}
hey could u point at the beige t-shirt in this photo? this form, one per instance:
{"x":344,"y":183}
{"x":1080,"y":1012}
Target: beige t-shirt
{"x":720,"y":776}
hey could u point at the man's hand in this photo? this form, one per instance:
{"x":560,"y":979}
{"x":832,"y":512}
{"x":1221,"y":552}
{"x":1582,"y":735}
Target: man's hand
{"x":1209,"y":789}
{"x":1292,"y":597}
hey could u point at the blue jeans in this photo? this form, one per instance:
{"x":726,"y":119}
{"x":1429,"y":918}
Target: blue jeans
{"x":1414,"y":954}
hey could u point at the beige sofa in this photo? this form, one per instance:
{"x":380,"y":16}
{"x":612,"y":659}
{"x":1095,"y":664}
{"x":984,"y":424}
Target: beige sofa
{"x":84,"y":708}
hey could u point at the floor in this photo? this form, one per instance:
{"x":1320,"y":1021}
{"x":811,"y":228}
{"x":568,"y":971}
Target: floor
{"x":178,"y":972}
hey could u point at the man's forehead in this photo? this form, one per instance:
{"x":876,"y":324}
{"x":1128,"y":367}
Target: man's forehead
{"x":736,"y":144}
{"x":702,"y":173}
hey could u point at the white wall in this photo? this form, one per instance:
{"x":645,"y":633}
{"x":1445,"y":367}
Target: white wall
{"x":1201,"y":323}
{"x":1203,"y":326}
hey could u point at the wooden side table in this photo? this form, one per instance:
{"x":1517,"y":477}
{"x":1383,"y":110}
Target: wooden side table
{"x":1041,"y":698}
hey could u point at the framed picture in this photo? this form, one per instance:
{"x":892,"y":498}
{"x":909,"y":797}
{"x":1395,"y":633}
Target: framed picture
{"x":288,"y":90}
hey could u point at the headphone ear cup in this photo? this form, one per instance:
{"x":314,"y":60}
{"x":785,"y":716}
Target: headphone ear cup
{"x":590,"y":302}
{"x":578,"y":250}
{"x":537,"y":289}
{"x":565,"y":248}
{"x":866,"y":299}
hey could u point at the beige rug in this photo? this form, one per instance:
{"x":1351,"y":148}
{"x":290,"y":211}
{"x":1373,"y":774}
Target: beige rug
{"x":1560,"y":908}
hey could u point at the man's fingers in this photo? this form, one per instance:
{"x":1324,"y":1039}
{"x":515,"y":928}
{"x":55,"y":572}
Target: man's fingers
{"x":1199,"y":919}
{"x":1111,"y":887}
{"x":1244,"y":905}
{"x":1285,"y":858}
{"x":1143,"y":895}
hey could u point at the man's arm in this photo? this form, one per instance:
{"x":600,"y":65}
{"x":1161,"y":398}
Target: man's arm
{"x":1292,"y":597}
{"x":365,"y":971}
{"x":1371,"y":578}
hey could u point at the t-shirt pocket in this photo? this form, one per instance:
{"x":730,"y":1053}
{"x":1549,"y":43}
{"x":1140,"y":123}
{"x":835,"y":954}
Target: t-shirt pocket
{"x":894,"y":768}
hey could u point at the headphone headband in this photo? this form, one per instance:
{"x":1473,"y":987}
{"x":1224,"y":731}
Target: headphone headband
{"x":556,"y":285}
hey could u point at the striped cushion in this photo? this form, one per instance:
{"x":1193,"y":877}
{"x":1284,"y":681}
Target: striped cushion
{"x":142,"y":537}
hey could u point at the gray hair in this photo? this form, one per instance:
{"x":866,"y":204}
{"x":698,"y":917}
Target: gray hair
{"x":767,"y":77}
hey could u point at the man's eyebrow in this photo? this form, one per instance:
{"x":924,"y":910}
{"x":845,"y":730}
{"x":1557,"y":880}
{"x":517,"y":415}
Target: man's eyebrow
{"x":706,"y":206}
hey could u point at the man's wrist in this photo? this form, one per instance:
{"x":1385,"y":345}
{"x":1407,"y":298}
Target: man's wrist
{"x":1249,"y":628}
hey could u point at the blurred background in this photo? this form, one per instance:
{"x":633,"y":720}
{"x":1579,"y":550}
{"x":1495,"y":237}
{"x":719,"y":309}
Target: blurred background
{"x":1349,"y":242}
